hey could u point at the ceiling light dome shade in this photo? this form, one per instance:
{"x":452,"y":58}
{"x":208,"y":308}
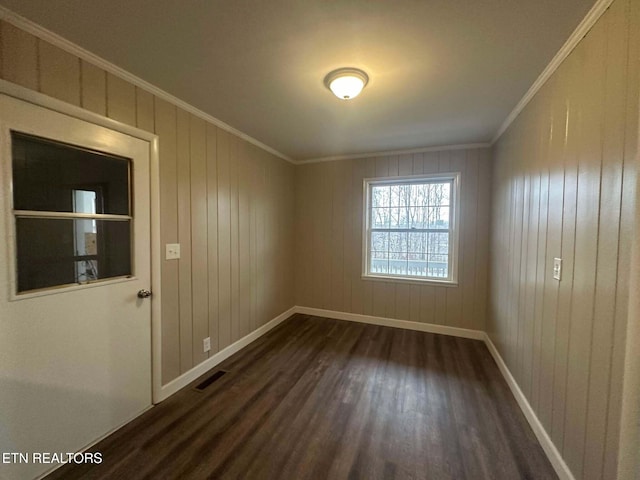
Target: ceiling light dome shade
{"x":346,"y":83}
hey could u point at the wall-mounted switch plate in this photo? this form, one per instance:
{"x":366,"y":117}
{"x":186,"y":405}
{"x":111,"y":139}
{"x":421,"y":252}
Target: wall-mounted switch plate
{"x":557,"y":268}
{"x":206,"y":344}
{"x":172,"y":251}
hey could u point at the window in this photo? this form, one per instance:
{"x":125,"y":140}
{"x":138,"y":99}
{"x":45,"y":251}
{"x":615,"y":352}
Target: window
{"x":72,"y":214}
{"x":411,"y":228}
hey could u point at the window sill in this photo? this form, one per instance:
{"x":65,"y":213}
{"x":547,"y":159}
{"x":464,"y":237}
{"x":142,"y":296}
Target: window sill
{"x":415,"y":281}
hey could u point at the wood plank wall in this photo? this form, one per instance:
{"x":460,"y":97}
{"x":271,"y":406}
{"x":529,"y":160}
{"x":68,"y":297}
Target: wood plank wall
{"x":564,"y":183}
{"x":227,"y":202}
{"x":329,"y":240}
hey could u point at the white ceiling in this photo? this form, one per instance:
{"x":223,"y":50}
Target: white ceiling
{"x":441,"y":71}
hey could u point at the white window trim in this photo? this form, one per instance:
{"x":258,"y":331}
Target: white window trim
{"x":454,"y":229}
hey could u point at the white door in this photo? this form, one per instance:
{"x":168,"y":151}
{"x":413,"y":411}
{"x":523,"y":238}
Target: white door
{"x":75,"y":338}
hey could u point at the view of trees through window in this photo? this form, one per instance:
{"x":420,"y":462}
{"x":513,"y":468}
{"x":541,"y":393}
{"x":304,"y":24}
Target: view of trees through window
{"x":409,"y":225}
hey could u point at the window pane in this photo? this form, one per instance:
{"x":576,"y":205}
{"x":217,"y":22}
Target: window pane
{"x":417,"y":217}
{"x":396,"y":196}
{"x":417,"y":264}
{"x":417,"y":242}
{"x":55,"y":252}
{"x":379,"y":262}
{"x":394,"y":214}
{"x":438,"y":266}
{"x":380,"y":218}
{"x":380,"y":196}
{"x":405,"y":195}
{"x":403,"y":217}
{"x":54,"y":177}
{"x":445,"y":194}
{"x":438,"y":243}
{"x":419,"y":195}
{"x":397,"y":242}
{"x":398,"y":263}
{"x":438,"y":217}
{"x":439,"y":194}
{"x":380,"y":241}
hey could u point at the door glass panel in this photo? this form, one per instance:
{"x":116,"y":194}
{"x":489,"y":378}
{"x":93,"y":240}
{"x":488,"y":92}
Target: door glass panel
{"x":62,"y":194}
{"x":48,"y":175}
{"x":57,"y":251}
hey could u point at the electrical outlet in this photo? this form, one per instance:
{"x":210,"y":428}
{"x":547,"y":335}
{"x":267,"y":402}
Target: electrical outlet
{"x":557,"y":268}
{"x":206,"y":344}
{"x":172,"y":251}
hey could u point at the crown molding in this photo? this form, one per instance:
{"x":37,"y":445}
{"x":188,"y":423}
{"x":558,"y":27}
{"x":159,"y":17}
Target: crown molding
{"x":578,"y":34}
{"x":574,"y":39}
{"x":385,"y":153}
{"x":70,"y":47}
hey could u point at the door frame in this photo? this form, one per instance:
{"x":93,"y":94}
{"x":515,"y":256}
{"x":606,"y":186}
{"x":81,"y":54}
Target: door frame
{"x":41,"y":100}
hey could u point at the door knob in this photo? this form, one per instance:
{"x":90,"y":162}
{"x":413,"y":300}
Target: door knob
{"x":144,"y":293}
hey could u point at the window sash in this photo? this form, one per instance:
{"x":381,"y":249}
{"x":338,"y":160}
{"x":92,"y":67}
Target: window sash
{"x":453,"y":203}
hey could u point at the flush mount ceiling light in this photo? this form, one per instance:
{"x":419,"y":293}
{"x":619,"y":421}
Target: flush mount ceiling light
{"x":346,"y":83}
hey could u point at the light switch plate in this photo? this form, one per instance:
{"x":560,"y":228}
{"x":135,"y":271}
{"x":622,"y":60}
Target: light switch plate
{"x":557,"y":268}
{"x":206,"y":344}
{"x":172,"y":251}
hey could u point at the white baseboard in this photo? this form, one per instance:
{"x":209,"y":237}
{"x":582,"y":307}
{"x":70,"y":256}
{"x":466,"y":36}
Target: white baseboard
{"x":549,"y":448}
{"x":391,"y":322}
{"x":186,"y":378}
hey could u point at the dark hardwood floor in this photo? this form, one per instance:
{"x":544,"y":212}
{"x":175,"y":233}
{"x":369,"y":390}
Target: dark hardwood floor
{"x":320,"y":398}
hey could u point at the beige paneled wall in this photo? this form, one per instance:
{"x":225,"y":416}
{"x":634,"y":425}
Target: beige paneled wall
{"x":564,"y":183}
{"x":329,"y":240}
{"x":228,"y":203}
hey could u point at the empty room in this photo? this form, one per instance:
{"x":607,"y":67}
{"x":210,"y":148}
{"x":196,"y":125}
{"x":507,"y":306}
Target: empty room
{"x":344,"y":239}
